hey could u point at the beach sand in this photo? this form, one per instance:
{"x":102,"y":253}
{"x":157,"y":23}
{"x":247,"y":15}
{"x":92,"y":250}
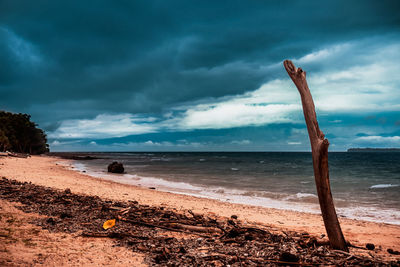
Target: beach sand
{"x":25,"y":244}
{"x":47,"y":171}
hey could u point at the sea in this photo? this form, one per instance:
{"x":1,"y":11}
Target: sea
{"x":365,"y":185}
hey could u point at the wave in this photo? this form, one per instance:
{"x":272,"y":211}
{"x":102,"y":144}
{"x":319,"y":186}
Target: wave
{"x":301,"y":196}
{"x":383,"y":186}
{"x":372,"y":214}
{"x":160,"y":159}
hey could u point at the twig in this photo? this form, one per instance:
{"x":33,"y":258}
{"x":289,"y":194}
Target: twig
{"x":290,"y":263}
{"x":354,"y":246}
{"x":240,"y":262}
{"x":112,"y":235}
{"x":346,"y":253}
{"x":258,"y":260}
{"x":161,"y":227}
{"x":195,"y":228}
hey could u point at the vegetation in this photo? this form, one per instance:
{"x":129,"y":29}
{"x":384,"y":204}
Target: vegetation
{"x":19,"y":134}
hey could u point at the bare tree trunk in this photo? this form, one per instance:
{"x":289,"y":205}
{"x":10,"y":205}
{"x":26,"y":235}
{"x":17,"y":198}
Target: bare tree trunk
{"x":319,"y":148}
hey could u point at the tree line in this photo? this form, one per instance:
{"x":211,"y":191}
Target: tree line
{"x":19,"y":134}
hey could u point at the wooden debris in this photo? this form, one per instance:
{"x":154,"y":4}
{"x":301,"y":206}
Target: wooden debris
{"x":200,"y":240}
{"x":194,"y":228}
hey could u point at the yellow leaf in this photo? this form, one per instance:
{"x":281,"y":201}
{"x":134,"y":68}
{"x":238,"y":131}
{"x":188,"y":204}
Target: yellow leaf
{"x":109,"y":224}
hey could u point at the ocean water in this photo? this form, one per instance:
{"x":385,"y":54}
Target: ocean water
{"x":364,"y":185}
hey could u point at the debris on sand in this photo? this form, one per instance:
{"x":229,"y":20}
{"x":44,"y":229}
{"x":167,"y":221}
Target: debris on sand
{"x":175,"y":238}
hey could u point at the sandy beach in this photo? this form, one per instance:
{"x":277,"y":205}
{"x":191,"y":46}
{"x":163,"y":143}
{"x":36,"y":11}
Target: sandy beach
{"x":47,"y":171}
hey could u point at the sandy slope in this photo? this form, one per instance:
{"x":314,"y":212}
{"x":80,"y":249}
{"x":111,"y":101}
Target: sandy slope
{"x":45,"y":171}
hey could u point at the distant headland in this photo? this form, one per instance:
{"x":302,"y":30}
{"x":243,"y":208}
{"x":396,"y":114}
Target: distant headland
{"x":373,"y":150}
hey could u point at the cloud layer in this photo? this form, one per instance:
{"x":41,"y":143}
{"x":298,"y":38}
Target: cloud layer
{"x":113,"y":73}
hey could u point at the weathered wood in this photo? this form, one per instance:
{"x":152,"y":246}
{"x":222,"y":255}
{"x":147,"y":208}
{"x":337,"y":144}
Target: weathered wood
{"x":161,"y":227}
{"x":319,"y":148}
{"x":193,"y":228}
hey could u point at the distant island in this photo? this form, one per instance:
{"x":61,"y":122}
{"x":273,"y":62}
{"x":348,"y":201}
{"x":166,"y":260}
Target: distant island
{"x":373,"y":150}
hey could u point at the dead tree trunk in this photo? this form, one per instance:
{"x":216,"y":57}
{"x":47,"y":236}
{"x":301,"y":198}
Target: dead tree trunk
{"x":319,"y":148}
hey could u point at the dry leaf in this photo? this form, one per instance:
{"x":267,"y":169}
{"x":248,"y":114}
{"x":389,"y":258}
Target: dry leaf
{"x":108,"y":224}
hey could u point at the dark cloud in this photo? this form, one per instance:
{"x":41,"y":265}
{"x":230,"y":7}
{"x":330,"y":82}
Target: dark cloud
{"x":77,"y":59}
{"x":156,"y":54}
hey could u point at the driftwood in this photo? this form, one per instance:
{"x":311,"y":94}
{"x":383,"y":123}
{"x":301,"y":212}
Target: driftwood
{"x":319,"y":148}
{"x":193,"y":228}
{"x":180,"y":229}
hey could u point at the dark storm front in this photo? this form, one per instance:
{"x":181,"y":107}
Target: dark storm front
{"x":364,"y":185}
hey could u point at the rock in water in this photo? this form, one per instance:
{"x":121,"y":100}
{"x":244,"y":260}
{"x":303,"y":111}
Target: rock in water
{"x":116,"y":167}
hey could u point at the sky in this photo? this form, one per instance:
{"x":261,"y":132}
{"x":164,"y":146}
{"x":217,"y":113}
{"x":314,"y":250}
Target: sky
{"x":201,"y":75}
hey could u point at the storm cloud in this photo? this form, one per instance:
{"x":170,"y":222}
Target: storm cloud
{"x":199,"y":68}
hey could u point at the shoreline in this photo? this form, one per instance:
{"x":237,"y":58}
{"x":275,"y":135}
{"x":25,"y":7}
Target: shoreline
{"x":42,"y":170}
{"x":242,"y":197}
{"x":186,"y":189}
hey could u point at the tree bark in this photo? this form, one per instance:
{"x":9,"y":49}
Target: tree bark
{"x":319,"y":149}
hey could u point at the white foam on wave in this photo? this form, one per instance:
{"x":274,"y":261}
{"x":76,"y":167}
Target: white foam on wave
{"x":296,"y":202}
{"x":79,"y":167}
{"x":305,"y":195}
{"x":301,"y":196}
{"x":242,"y":197}
{"x":372,"y":214}
{"x":383,"y":186}
{"x":160,"y":159}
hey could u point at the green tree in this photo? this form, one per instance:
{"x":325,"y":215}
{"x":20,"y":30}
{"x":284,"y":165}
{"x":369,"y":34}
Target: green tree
{"x":4,"y":143}
{"x":19,"y":134}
